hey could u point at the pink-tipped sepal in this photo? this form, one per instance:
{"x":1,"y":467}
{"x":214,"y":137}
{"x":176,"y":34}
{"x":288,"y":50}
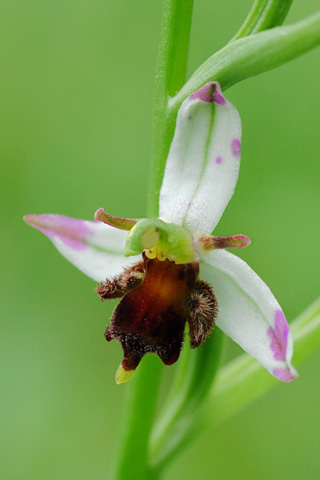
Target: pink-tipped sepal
{"x":281,"y":347}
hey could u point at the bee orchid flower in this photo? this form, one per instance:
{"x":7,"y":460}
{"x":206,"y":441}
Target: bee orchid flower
{"x":178,"y":273}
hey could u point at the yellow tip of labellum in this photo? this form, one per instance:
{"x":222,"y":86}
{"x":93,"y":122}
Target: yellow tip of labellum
{"x":123,"y":375}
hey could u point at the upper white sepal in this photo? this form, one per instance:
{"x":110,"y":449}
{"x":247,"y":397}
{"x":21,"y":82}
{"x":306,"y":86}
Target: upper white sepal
{"x":203,"y":163}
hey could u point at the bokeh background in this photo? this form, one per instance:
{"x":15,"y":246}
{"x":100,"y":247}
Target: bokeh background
{"x":76,"y":109}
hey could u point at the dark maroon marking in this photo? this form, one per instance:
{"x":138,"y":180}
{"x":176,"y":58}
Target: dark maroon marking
{"x":151,"y":318}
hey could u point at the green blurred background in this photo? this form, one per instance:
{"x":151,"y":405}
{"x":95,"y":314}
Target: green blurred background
{"x":76,"y":109}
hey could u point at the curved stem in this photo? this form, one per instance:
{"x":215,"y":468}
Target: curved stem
{"x":240,"y":59}
{"x":252,"y":55}
{"x":131,"y":459}
{"x":263,"y":15}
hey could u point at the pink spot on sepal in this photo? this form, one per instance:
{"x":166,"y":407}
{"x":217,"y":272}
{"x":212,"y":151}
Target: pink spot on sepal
{"x":279,"y":336}
{"x":236,"y":147}
{"x":219,"y":160}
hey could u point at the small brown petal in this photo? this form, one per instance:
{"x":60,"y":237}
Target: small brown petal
{"x":203,"y":311}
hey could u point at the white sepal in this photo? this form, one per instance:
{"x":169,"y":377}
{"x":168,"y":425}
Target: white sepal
{"x":93,"y":247}
{"x":203,"y":163}
{"x":249,"y":313}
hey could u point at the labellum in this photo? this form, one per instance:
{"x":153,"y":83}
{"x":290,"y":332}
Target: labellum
{"x":159,"y":297}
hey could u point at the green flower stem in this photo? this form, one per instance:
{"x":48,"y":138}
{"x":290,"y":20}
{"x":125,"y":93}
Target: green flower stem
{"x":170,"y":77}
{"x":244,"y":380}
{"x":131,"y":460}
{"x":263,"y":15}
